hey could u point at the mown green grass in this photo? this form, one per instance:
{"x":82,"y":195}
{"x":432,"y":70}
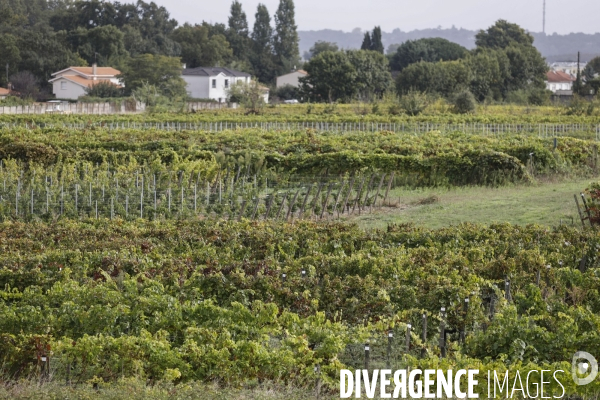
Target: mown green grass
{"x":542,"y":203}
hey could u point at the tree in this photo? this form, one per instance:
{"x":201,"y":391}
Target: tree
{"x":502,"y":35}
{"x":237,"y":33}
{"x":287,"y":92}
{"x":489,"y":71}
{"x":372,"y":41}
{"x":98,"y":44}
{"x":201,"y":49}
{"x":285,"y":42}
{"x":160,"y":71}
{"x":250,"y":95}
{"x":366,"y":44}
{"x":319,"y":47}
{"x":430,"y":49}
{"x":464,"y":102}
{"x":526,"y":65}
{"x":26,"y":85}
{"x":9,"y":54}
{"x":262,"y":60}
{"x":331,"y":77}
{"x":527,"y":68}
{"x":591,"y":75}
{"x":373,"y":77}
{"x":443,"y":78}
{"x":376,"y":43}
{"x":44,"y":52}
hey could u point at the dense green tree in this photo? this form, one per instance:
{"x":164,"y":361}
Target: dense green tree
{"x":162,"y":72}
{"x":9,"y":55}
{"x":99,"y":44}
{"x":373,"y":77}
{"x":489,"y":71}
{"x":263,"y":63}
{"x":443,"y":78}
{"x":44,"y":52}
{"x":430,"y":49}
{"x":199,"y":48}
{"x":527,"y":67}
{"x":237,"y":32}
{"x":502,"y":35}
{"x":346,"y":75}
{"x":319,"y":47}
{"x":331,"y":77}
{"x":372,"y":41}
{"x":366,"y":43}
{"x":285,"y":42}
{"x":376,"y":43}
{"x":591,"y":75}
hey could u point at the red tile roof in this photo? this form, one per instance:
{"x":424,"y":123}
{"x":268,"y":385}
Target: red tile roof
{"x":84,"y":82}
{"x":559,"y":76}
{"x":4,"y":92}
{"x":100,"y":71}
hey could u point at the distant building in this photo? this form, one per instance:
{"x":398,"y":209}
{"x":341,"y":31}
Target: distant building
{"x":559,"y":82}
{"x":567,"y":67}
{"x":291,"y":78}
{"x":4,"y":93}
{"x":72,"y":82}
{"x":212,"y":82}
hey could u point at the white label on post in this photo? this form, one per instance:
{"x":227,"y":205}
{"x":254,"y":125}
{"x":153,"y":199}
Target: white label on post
{"x":408,"y":326}
{"x":366,"y":348}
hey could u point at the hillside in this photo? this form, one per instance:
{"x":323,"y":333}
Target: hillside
{"x":554,"y":47}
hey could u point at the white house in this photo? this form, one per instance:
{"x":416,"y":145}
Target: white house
{"x":70,"y":83}
{"x":559,"y":82}
{"x":212,"y":83}
{"x":291,"y":78}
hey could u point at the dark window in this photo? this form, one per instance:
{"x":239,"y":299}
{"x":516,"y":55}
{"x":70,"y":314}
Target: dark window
{"x":226,"y":83}
{"x":214,"y":83}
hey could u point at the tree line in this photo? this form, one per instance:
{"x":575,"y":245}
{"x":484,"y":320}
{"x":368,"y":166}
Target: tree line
{"x":504,"y":66}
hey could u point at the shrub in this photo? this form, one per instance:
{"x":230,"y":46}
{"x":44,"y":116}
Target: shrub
{"x":464,"y":102}
{"x":539,"y":97}
{"x":414,"y":102}
{"x":287,"y":92}
{"x":104,"y":89}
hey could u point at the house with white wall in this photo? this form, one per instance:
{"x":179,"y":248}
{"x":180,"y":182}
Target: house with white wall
{"x":559,"y":82}
{"x":71,"y":83}
{"x":212,"y":82}
{"x":291,"y":78}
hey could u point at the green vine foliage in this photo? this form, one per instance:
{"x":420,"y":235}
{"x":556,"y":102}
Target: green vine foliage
{"x":207,"y":300}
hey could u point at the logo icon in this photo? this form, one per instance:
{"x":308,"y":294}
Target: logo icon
{"x":579,"y":367}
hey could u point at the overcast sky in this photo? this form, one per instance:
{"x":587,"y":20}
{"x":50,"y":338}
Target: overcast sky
{"x":564,"y":16}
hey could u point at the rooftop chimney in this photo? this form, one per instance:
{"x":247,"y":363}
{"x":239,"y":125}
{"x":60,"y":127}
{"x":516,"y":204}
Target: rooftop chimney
{"x":94,"y":71}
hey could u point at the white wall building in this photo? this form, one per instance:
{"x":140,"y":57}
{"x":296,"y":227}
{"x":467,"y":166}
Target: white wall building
{"x":291,"y":78}
{"x":212,"y":83}
{"x":559,"y":82}
{"x":70,"y":83}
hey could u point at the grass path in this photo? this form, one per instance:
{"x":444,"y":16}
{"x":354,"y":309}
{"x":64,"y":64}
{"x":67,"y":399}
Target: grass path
{"x":542,"y":203}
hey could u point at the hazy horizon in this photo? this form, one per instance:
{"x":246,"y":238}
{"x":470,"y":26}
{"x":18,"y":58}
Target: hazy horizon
{"x":404,"y":15}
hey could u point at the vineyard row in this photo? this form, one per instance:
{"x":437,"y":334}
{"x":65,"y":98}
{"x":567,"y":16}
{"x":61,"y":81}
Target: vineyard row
{"x":544,"y":130}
